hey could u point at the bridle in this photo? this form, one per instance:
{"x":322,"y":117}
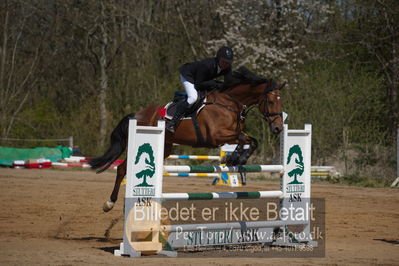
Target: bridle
{"x":267,"y":115}
{"x":243,"y":109}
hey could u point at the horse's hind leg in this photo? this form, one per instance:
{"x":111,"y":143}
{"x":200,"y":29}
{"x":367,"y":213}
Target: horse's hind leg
{"x":120,"y":174}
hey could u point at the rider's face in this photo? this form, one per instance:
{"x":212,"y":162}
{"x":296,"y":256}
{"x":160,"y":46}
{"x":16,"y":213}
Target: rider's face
{"x":224,"y":64}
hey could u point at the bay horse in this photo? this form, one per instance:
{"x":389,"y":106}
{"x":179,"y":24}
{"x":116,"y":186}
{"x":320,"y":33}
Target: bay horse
{"x":221,"y":121}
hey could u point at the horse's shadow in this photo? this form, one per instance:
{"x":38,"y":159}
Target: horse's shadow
{"x":109,"y":249}
{"x":98,"y":239}
{"x":393,"y":242}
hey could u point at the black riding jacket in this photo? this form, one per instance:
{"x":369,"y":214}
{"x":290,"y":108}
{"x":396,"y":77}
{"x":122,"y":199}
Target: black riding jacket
{"x":200,"y":72}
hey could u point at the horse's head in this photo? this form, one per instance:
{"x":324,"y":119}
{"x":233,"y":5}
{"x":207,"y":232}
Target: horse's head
{"x":250,"y":89}
{"x":270,"y":105}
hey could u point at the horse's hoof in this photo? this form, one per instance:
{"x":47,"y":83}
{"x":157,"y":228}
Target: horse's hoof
{"x":108,"y":205}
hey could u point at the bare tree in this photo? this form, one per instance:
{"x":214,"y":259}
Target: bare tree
{"x":18,"y":64}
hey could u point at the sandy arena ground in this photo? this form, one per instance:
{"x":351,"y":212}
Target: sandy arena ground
{"x":54,"y":217}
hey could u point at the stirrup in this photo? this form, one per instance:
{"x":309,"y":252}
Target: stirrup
{"x":170,"y":126}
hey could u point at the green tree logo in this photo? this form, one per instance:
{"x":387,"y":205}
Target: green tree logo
{"x":147,"y":165}
{"x":299,"y":166}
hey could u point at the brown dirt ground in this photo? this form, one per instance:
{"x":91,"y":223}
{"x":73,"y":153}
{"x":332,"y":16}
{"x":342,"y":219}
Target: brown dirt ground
{"x":54,"y":217}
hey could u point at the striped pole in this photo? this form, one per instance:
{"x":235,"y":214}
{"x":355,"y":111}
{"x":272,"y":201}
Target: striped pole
{"x":222,"y":169}
{"x":320,"y":173}
{"x":223,"y":195}
{"x":230,"y":226}
{"x":194,"y":157}
{"x":191,"y":174}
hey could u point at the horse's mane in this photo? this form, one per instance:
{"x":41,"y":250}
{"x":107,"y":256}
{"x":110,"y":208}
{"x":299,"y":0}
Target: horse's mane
{"x":243,"y":76}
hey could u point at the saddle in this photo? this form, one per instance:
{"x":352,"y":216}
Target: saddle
{"x":193,"y":111}
{"x":170,"y":109}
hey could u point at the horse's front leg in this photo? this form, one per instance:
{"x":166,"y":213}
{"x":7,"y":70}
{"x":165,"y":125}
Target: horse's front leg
{"x":120,"y":174}
{"x":232,"y":159}
{"x":245,"y":147}
{"x":250,"y":145}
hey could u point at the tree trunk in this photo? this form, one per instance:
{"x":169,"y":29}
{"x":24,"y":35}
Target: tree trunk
{"x":395,"y":84}
{"x":3,"y":53}
{"x":103,"y":79}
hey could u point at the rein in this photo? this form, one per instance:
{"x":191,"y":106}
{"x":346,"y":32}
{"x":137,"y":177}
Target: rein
{"x":243,"y":106}
{"x":240,"y":113}
{"x":243,"y":110}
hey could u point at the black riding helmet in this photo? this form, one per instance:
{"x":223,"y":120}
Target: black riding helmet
{"x":225,"y":53}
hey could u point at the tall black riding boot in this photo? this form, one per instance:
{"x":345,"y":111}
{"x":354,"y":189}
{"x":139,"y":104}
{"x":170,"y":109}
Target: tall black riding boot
{"x":181,"y":109}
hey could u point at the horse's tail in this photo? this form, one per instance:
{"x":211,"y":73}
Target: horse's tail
{"x":118,"y":145}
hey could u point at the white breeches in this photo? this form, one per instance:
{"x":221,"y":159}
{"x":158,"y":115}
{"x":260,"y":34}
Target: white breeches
{"x":192,"y":94}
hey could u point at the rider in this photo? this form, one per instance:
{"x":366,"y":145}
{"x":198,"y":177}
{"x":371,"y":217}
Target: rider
{"x":195,"y":73}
